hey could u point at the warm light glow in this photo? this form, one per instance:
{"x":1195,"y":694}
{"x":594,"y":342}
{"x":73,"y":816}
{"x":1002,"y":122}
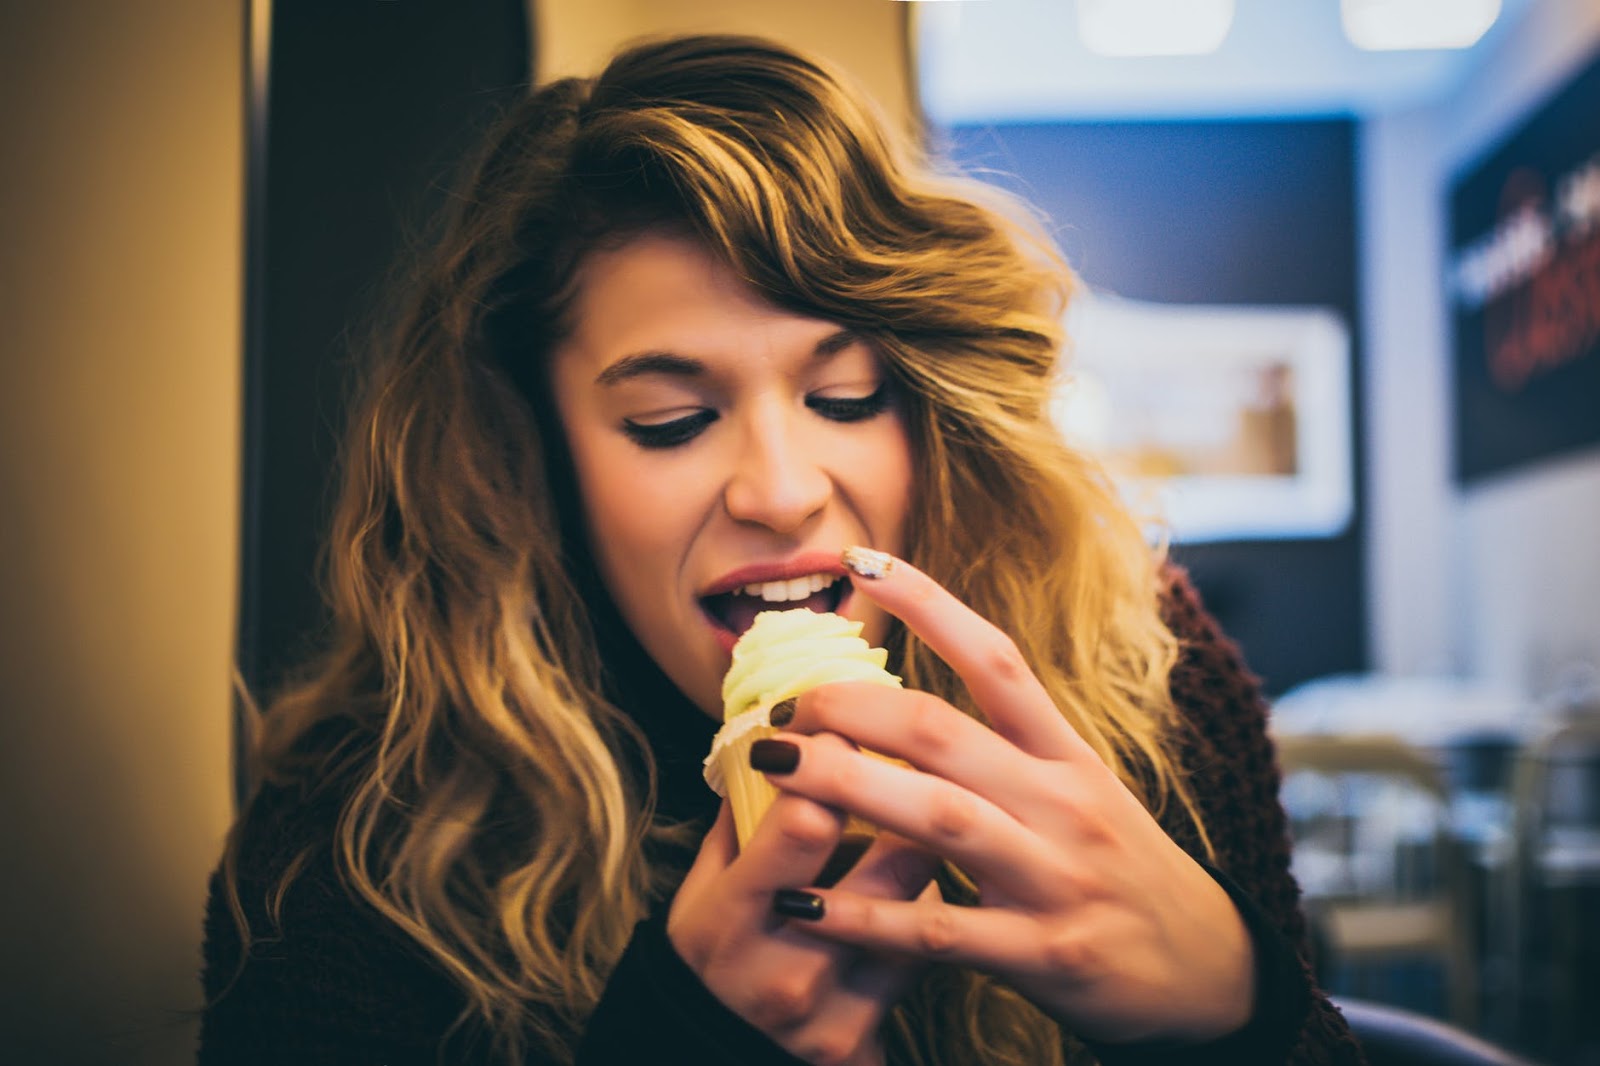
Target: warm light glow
{"x":1154,"y":27}
{"x":1392,"y":25}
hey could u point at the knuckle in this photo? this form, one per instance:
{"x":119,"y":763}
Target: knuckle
{"x":1002,"y":658}
{"x":823,"y":706}
{"x":805,"y":826}
{"x":1075,"y":809}
{"x":692,"y":947}
{"x":842,"y":777}
{"x":1067,"y":950}
{"x":1059,"y":792}
{"x":1094,"y":828}
{"x":936,"y":930}
{"x":1073,"y":880}
{"x":1078,"y":810}
{"x":927,"y":727}
{"x":953,"y":815}
{"x":834,"y":742}
{"x":784,"y":1003}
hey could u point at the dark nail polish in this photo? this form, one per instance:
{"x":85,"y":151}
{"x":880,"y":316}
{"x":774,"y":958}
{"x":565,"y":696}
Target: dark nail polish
{"x":794,"y":903}
{"x":774,"y":756}
{"x":782,"y":712}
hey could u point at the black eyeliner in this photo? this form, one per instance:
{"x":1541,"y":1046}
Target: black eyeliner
{"x":669,"y":434}
{"x":682,"y":430}
{"x":852,"y":409}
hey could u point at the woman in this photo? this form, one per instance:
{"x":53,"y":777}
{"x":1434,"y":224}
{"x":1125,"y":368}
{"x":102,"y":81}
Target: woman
{"x":698,"y":338}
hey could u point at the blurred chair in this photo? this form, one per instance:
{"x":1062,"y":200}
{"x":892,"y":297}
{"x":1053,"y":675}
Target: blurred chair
{"x":1478,"y":765}
{"x":1391,"y":1036}
{"x":1385,"y":885}
{"x":1556,"y":887}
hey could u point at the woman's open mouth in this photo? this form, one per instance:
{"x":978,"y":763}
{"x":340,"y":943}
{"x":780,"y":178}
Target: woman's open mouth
{"x":734,"y":611}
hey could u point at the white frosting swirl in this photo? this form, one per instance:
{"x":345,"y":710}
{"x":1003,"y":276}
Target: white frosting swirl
{"x":781,"y":655}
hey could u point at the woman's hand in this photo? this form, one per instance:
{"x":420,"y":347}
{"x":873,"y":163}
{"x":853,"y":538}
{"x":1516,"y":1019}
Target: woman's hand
{"x":822,"y":1002}
{"x":1087,"y":907}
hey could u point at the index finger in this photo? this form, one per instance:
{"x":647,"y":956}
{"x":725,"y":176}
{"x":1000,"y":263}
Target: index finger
{"x":988,"y":661}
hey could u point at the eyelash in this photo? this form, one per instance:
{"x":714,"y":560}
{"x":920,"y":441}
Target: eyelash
{"x":683,"y":430}
{"x":669,"y":434}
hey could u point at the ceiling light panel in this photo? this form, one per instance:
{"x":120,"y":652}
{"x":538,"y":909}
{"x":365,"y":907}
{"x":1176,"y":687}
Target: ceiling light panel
{"x":1414,"y":25}
{"x":1154,"y":27}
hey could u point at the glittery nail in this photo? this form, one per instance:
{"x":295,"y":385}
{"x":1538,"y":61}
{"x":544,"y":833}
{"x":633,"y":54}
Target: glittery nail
{"x":867,"y":562}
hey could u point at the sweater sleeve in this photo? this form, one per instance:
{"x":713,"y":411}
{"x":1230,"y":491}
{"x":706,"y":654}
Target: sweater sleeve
{"x":328,"y":980}
{"x":1235,"y":777}
{"x":655,"y":1001}
{"x":321,"y":978}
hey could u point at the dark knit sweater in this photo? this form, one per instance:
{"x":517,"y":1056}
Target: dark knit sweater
{"x":341,"y":985}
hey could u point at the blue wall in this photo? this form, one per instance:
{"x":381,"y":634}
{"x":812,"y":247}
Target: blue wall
{"x":1258,"y":212}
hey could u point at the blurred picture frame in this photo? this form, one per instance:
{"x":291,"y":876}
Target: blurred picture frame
{"x":1217,"y":422}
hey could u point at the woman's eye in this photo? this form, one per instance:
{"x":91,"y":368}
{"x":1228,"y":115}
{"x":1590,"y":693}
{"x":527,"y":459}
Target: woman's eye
{"x":850,"y":408}
{"x":668,"y":434}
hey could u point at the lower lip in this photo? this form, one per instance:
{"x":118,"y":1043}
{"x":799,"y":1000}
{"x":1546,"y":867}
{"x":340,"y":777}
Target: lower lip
{"x":728,"y":638}
{"x":725,"y":636}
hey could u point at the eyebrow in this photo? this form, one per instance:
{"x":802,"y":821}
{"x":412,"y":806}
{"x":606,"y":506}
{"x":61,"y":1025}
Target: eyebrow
{"x":632,"y":366}
{"x":674,"y":365}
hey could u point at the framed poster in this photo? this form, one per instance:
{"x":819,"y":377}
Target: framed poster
{"x":1524,"y":289}
{"x":1219,"y":422}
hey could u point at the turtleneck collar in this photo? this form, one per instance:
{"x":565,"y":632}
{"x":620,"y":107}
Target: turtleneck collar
{"x":677,"y":732}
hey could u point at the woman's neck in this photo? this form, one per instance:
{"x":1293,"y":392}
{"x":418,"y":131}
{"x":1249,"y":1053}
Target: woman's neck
{"x":678,"y":733}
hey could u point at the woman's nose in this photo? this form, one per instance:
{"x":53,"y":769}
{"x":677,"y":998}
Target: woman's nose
{"x":777,"y":481}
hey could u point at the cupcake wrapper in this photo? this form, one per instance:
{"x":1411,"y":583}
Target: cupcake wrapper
{"x":749,"y":791}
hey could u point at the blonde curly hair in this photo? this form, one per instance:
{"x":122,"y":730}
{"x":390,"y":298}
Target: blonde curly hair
{"x":494,"y":795}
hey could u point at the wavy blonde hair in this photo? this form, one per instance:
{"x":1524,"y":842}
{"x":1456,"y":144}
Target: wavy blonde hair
{"x":493,"y":798}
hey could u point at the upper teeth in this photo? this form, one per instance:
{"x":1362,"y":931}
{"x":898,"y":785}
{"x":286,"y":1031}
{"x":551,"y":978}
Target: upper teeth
{"x":784,"y":591}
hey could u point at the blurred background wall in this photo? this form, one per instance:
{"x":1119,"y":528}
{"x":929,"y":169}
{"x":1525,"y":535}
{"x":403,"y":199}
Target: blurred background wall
{"x":1251,"y":212}
{"x":1489,"y":582}
{"x":123,"y":461}
{"x":1498,"y":581}
{"x":865,"y":38}
{"x":120,"y":290}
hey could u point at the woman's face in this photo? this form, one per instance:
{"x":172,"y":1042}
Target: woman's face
{"x":726,"y":451}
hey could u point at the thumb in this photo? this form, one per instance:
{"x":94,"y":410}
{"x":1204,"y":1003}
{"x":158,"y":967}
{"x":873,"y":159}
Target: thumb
{"x":717,"y":850}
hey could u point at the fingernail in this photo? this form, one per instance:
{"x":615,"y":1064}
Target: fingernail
{"x":774,"y":756}
{"x":794,"y":903}
{"x":867,"y":562}
{"x":782,"y":712}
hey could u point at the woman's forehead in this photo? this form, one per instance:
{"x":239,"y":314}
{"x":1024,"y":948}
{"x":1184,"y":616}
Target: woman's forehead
{"x":661,"y":294}
{"x":651,"y":276}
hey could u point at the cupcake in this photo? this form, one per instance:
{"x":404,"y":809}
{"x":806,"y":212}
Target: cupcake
{"x":781,"y":655}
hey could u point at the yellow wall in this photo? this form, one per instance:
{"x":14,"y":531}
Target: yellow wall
{"x":864,"y":37}
{"x":120,"y":298}
{"x":120,"y":216}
